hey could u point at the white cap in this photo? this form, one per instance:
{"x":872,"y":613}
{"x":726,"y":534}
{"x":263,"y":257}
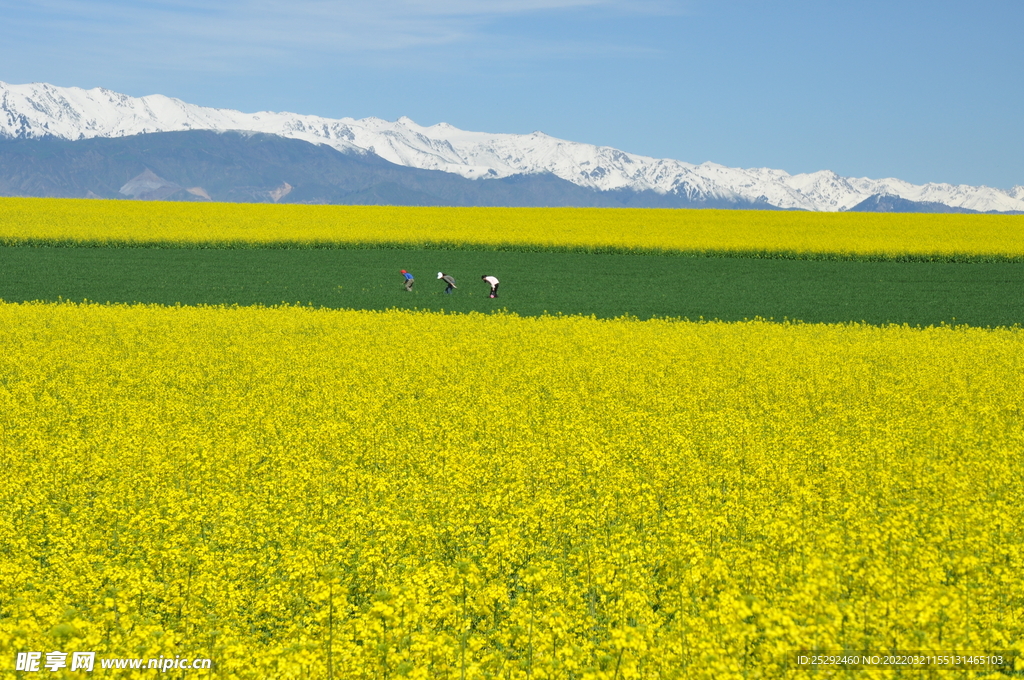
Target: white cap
{"x":439,"y":275}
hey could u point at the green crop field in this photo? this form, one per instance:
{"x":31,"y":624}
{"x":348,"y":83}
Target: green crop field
{"x":604,"y":285}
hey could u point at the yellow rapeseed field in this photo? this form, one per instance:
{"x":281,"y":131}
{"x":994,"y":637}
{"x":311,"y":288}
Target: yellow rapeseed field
{"x":299,"y":493}
{"x":847,"y":234}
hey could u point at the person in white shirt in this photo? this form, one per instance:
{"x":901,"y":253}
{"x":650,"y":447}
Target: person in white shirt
{"x":494,"y":284}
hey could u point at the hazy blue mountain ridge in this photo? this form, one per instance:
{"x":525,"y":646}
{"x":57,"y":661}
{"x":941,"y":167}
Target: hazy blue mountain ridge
{"x":258,"y":167}
{"x":606,"y":176}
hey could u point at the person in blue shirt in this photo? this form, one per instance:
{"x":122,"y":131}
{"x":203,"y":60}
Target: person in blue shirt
{"x":408,"y":280}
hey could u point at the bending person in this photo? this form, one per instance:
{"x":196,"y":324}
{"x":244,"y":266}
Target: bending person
{"x":493,"y":281}
{"x":447,"y":278}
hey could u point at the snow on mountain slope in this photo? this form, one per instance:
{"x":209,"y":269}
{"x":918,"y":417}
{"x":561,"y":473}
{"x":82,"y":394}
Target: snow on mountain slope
{"x":40,"y":109}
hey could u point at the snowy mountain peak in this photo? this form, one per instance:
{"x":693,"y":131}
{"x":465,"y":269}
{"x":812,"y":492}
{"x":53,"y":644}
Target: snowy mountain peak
{"x":40,"y":109}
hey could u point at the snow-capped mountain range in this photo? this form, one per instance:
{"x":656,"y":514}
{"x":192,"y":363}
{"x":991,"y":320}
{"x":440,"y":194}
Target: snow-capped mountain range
{"x":39,"y":110}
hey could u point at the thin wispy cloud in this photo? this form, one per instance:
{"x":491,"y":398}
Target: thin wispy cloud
{"x":194,"y":33}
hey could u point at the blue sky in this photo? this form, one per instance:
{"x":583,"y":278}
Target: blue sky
{"x":923,"y":91}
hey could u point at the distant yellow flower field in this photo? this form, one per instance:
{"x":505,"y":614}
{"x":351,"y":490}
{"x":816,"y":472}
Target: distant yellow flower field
{"x":299,"y":493}
{"x":848,"y":234}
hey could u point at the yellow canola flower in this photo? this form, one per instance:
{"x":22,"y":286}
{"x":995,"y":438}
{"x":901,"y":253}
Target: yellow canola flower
{"x":748,"y":231}
{"x":300,"y":493}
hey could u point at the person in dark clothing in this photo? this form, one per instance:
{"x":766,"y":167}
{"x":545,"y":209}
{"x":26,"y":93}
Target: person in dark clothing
{"x":448,"y":279}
